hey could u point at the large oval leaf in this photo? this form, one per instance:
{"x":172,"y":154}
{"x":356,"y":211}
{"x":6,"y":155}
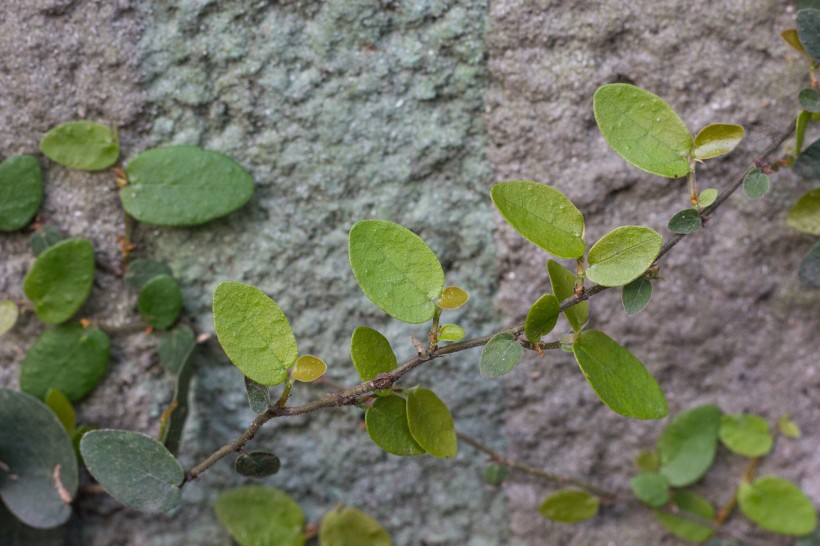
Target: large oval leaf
{"x":346,"y":526}
{"x":570,"y":506}
{"x":618,"y":378}
{"x":396,"y":270}
{"x":371,"y":353}
{"x":60,"y":280}
{"x":431,"y":423}
{"x":387,"y":426}
{"x":41,"y":478}
{"x":254,"y":332}
{"x":563,"y":286}
{"x":542,"y":215}
{"x":84,"y":145}
{"x":716,"y":139}
{"x":184,"y":186}
{"x":134,"y":468}
{"x":643,"y":129}
{"x":805,"y":214}
{"x":256,"y":515}
{"x":777,"y":505}
{"x":623,"y":255}
{"x":688,"y":443}
{"x":68,"y":358}
{"x":21,"y":191}
{"x":500,"y":355}
{"x":160,"y":302}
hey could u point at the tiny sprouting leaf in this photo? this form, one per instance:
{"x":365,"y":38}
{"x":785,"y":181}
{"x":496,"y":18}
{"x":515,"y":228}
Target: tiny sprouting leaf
{"x":685,"y":221}
{"x":635,"y":296}
{"x":45,"y":238}
{"x":688,"y":443}
{"x":140,"y":271}
{"x":451,"y":332}
{"x":745,"y":434}
{"x":643,"y":129}
{"x":396,"y":270}
{"x":133,"y":468}
{"x":756,"y":184}
{"x":541,"y":317}
{"x":431,"y":424}
{"x":257,"y":464}
{"x":184,"y":186}
{"x":160,"y":302}
{"x":68,"y":358}
{"x":542,"y":215}
{"x":695,"y":522}
{"x":175,"y":348}
{"x":258,"y":396}
{"x":707,"y":197}
{"x":453,"y":297}
{"x":21,"y":191}
{"x":809,"y":100}
{"x":808,"y":30}
{"x":257,"y":515}
{"x":788,"y":427}
{"x":496,"y":473}
{"x":8,"y":315}
{"x":807,"y":164}
{"x":346,"y":526}
{"x":648,"y":461}
{"x":651,"y":488}
{"x":500,"y":355}
{"x":62,"y":408}
{"x":623,"y":255}
{"x":793,"y":39}
{"x":60,"y":280}
{"x":570,"y":506}
{"x":809,"y":270}
{"x":805,"y":214}
{"x":716,"y":139}
{"x":308,"y":368}
{"x":254,"y":332}
{"x":777,"y":505}
{"x":563,"y":286}
{"x":371,"y":353}
{"x":17,"y":533}
{"x":388,"y":427}
{"x":618,"y":378}
{"x":28,"y":487}
{"x":83,"y":145}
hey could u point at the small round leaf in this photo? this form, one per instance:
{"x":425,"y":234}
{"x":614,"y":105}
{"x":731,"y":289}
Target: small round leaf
{"x":371,"y":353}
{"x":651,"y":488}
{"x":83,"y":145}
{"x":21,"y":191}
{"x":805,"y":214}
{"x":453,"y":297}
{"x":788,"y":427}
{"x":256,"y":515}
{"x":685,"y":221}
{"x":777,"y":505}
{"x":745,"y":434}
{"x":648,"y":461}
{"x":308,"y":368}
{"x":500,"y":355}
{"x":541,"y":317}
{"x":451,"y":332}
{"x":60,"y":280}
{"x":570,"y":506}
{"x":160,"y":302}
{"x":636,"y":295}
{"x":756,"y":184}
{"x":623,"y":255}
{"x":8,"y":315}
{"x":346,"y":526}
{"x":716,"y":139}
{"x":388,"y":427}
{"x":707,"y":197}
{"x":257,"y":464}
{"x":431,"y":424}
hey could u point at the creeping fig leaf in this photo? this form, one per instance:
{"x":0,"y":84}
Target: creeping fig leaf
{"x":346,"y":526}
{"x":651,"y":488}
{"x":805,"y":214}
{"x":685,"y":221}
{"x":745,"y":434}
{"x":258,"y":396}
{"x":777,"y":505}
{"x":61,"y":406}
{"x":717,"y":139}
{"x":388,"y":427}
{"x":563,"y":286}
{"x":570,"y":506}
{"x":636,"y":295}
{"x":308,"y":368}
{"x":45,"y":238}
{"x":792,"y":38}
{"x":83,"y":145}
{"x":175,"y":348}
{"x":809,"y":100}
{"x":60,"y":280}
{"x":371,"y":353}
{"x":453,"y":297}
{"x":688,"y":443}
{"x":140,"y":271}
{"x":542,"y":317}
{"x":807,"y":164}
{"x":257,"y":464}
{"x":695,"y":520}
{"x":809,"y":270}
{"x":788,"y":427}
{"x":256,"y":515}
{"x":431,"y":424}
{"x":500,"y":355}
{"x":8,"y":315}
{"x":160,"y":302}
{"x":623,"y":255}
{"x":648,"y":461}
{"x":808,"y":30}
{"x":496,"y":473}
{"x":707,"y":197}
{"x":756,"y":184}
{"x":451,"y":332}
{"x":21,"y":191}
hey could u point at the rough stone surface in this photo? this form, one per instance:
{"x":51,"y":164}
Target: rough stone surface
{"x":408,"y":111}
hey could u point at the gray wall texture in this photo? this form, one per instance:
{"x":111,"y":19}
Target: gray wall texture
{"x":409,"y":111}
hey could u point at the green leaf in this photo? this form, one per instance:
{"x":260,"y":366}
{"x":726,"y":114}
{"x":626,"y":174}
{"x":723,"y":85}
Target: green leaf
{"x":805,"y":215}
{"x":175,"y":348}
{"x":777,"y":505}
{"x":542,"y":215}
{"x":77,"y":437}
{"x":308,"y":368}
{"x":648,"y":461}
{"x":371,"y":353}
{"x":453,"y":297}
{"x":685,"y":221}
{"x":570,"y":506}
{"x":257,"y":464}
{"x":808,"y":4}
{"x":800,"y":126}
{"x":807,"y":164}
{"x":563,"y":286}
{"x":133,"y":468}
{"x":395,"y":270}
{"x":431,"y":423}
{"x":809,"y":270}
{"x":716,"y":139}
{"x":496,"y":473}
{"x":695,"y":520}
{"x":21,"y":191}
{"x":388,"y":426}
{"x":172,"y":421}
{"x":36,"y":450}
{"x":141,"y":271}
{"x":688,"y":443}
{"x":258,"y":396}
{"x":346,"y":526}
{"x":60,"y":280}
{"x":160,"y":302}
{"x":808,"y":29}
{"x":809,"y":100}
{"x":542,"y":317}
{"x":707,"y":197}
{"x":256,"y":515}
{"x":788,"y":427}
{"x":83,"y":145}
{"x":623,"y":255}
{"x":745,"y":434}
{"x":68,"y":358}
{"x":17,"y":533}
{"x":500,"y":355}
{"x":636,"y":295}
{"x":643,"y":129}
{"x":793,"y":39}
{"x":756,"y":184}
{"x":451,"y":332}
{"x":61,"y":406}
{"x":618,"y":378}
{"x":254,"y":332}
{"x":8,"y":315}
{"x":45,"y":238}
{"x":651,"y":488}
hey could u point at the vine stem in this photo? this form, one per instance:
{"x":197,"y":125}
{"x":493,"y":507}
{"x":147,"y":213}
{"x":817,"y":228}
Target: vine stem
{"x":346,"y":397}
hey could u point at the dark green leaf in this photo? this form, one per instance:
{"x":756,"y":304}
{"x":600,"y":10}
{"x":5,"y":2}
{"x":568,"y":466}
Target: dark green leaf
{"x":807,"y":163}
{"x":756,"y":184}
{"x":17,"y":533}
{"x":500,"y":355}
{"x":688,"y":443}
{"x":258,"y":396}
{"x":542,"y":317}
{"x":21,"y":191}
{"x":496,"y":473}
{"x":388,"y":427}
{"x":809,"y":271}
{"x":40,"y":478}
{"x":636,"y":295}
{"x":570,"y":506}
{"x":805,"y":214}
{"x":651,"y":488}
{"x":346,"y":526}
{"x":173,"y":419}
{"x":184,"y":186}
{"x":60,"y":280}
{"x":618,"y":378}
{"x":808,"y":29}
{"x":809,"y":100}
{"x":453,"y":297}
{"x":8,"y":315}
{"x":431,"y":423}
{"x":257,"y":464}
{"x":371,"y":353}
{"x":256,"y":515}
{"x":141,"y":271}
{"x":716,"y":139}
{"x":160,"y":302}
{"x":451,"y":332}
{"x":623,"y":255}
{"x":45,"y":238}
{"x":694,"y":522}
{"x":175,"y":348}
{"x":83,"y":145}
{"x":777,"y":505}
{"x":68,"y":358}
{"x":707,"y":197}
{"x":685,"y":221}
{"x":133,"y":468}
{"x":745,"y":434}
{"x":542,"y":215}
{"x":563,"y":286}
{"x":61,"y":406}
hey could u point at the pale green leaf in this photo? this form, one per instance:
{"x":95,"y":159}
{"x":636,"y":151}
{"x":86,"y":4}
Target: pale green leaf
{"x":371,"y":353}
{"x":745,"y":434}
{"x":346,"y":526}
{"x":788,"y":427}
{"x":257,"y":464}
{"x":83,"y":145}
{"x":388,"y":427}
{"x":707,"y":197}
{"x":635,"y":296}
{"x":500,"y":355}
{"x":651,"y":488}
{"x":308,"y":368}
{"x":809,"y":270}
{"x":563,"y":286}
{"x":160,"y":302}
{"x":805,"y":214}
{"x":777,"y":505}
{"x":688,"y":443}
{"x":541,"y":317}
{"x":256,"y":515}
{"x":21,"y":191}
{"x":60,"y":280}
{"x":8,"y":315}
{"x":62,"y":408}
{"x":451,"y":332}
{"x":717,"y":139}
{"x":453,"y":297}
{"x":623,"y":255}
{"x":685,"y":221}
{"x":570,"y":506}
{"x":756,"y":184}
{"x":695,"y":520}
{"x":431,"y":423}
{"x":808,"y":30}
